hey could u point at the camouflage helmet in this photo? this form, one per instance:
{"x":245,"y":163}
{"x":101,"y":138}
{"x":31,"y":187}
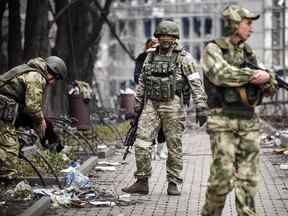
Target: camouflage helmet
{"x":57,"y":66}
{"x":167,"y":27}
{"x":233,"y":15}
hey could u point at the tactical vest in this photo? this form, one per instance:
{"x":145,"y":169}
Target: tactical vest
{"x":234,"y":101}
{"x":159,"y":75}
{"x":13,"y":88}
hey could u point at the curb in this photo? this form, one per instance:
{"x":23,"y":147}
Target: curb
{"x":88,"y":165}
{"x":38,"y":208}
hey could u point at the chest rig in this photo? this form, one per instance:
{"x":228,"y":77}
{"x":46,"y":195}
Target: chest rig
{"x":235,"y":101}
{"x":159,"y":75}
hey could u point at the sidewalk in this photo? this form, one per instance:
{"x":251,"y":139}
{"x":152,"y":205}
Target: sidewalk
{"x":271,"y":200}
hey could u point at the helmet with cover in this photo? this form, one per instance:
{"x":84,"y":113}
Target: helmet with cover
{"x":167,"y":27}
{"x":233,"y":15}
{"x":57,"y":66}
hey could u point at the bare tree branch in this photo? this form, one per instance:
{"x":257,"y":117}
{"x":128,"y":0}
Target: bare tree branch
{"x":104,"y":16}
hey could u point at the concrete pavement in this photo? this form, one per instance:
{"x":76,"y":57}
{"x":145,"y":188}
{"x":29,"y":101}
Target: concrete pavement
{"x":271,"y":200}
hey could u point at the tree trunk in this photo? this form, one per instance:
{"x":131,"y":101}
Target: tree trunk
{"x":3,"y":56}
{"x":36,"y":29}
{"x":14,"y":39}
{"x":56,"y":97}
{"x":78,"y":35}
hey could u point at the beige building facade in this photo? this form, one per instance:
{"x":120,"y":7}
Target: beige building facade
{"x":199,"y":21}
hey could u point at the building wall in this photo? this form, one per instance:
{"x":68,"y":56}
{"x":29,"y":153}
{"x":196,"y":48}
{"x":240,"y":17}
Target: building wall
{"x":199,"y":21}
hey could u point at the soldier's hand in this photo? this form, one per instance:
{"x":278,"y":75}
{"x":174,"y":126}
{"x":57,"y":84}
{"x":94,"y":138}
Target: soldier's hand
{"x":42,"y":128}
{"x":201,"y":116}
{"x":260,"y":77}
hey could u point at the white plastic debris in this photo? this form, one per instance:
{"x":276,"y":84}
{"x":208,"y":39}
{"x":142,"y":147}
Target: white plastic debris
{"x":102,"y":203}
{"x":101,"y":147}
{"x":105,"y":168}
{"x":107,"y":163}
{"x":74,"y":177}
{"x":125,"y":197}
{"x":284,"y":166}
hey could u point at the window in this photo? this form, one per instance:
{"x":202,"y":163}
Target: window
{"x":147,"y":28}
{"x":186,"y":27}
{"x":157,"y":21}
{"x":223,"y":33}
{"x":121,"y":26}
{"x":208,"y":25}
{"x":197,"y":26}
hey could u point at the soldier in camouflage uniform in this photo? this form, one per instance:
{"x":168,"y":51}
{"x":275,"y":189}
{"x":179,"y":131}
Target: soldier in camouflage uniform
{"x":168,"y":77}
{"x":21,"y":90}
{"x":234,"y":87}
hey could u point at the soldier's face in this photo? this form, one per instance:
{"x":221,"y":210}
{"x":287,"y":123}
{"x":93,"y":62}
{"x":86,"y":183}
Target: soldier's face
{"x":166,"y":41}
{"x":51,"y":79}
{"x":245,"y":29}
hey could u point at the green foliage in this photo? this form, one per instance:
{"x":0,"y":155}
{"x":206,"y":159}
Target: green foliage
{"x":57,"y":160}
{"x":111,"y":134}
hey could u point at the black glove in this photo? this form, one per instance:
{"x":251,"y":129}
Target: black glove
{"x":201,"y":116}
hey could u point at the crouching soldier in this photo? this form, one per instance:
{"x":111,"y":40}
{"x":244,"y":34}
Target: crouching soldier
{"x":22,"y":90}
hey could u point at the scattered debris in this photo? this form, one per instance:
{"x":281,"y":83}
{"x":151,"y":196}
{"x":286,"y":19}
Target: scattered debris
{"x":108,"y":163}
{"x":23,"y":191}
{"x":284,"y":166}
{"x":74,"y":177}
{"x":105,"y":168}
{"x":102,"y":203}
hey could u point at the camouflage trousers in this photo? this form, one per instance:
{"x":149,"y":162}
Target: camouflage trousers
{"x":9,"y":150}
{"x":235,"y":146}
{"x":171,"y":116}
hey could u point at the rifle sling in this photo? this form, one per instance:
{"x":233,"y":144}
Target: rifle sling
{"x":244,"y":98}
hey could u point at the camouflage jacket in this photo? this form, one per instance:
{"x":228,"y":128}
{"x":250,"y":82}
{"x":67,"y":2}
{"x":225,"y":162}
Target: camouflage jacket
{"x":27,"y":88}
{"x":189,"y":72}
{"x":224,"y":69}
{"x":85,"y":89}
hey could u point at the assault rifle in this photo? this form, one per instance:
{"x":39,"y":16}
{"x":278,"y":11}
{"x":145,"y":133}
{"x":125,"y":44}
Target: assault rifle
{"x":131,"y":136}
{"x":280,"y":81}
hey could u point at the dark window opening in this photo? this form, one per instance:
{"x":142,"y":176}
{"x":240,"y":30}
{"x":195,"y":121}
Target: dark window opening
{"x":157,"y":21}
{"x":208,"y":25}
{"x":147,"y":28}
{"x":197,"y":26}
{"x":186,"y":27}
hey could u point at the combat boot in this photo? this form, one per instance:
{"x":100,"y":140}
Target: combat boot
{"x":172,"y":189}
{"x":141,"y":186}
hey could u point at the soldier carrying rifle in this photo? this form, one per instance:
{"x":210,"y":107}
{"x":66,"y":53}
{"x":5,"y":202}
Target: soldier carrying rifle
{"x":234,"y":89}
{"x":168,"y":77}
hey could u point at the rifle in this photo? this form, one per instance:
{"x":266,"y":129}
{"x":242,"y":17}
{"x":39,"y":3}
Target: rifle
{"x":280,"y":81}
{"x":131,"y":135}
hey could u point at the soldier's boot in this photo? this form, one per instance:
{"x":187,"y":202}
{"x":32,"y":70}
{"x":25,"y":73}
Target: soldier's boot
{"x":141,"y":186}
{"x":172,"y":189}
